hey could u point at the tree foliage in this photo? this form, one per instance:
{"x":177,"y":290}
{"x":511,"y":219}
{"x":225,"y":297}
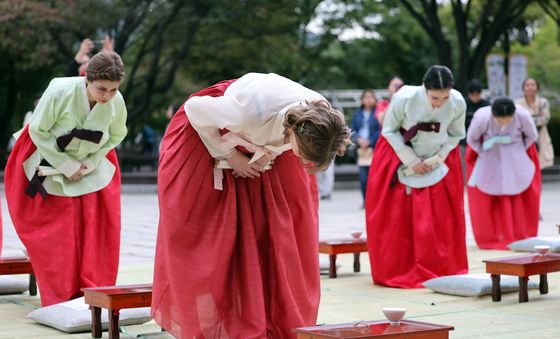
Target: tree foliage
{"x":173,"y":47}
{"x":477,"y":26}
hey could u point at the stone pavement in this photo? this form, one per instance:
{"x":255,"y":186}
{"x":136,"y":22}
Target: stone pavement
{"x":351,"y":297}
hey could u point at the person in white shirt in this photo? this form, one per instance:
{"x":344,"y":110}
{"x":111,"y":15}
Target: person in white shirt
{"x":237,"y":247}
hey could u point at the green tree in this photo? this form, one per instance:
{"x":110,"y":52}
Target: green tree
{"x":396,"y":46}
{"x":27,"y":55}
{"x":38,"y":40}
{"x":542,"y":54}
{"x":266,"y":36}
{"x":478,"y":25}
{"x":172,"y":47}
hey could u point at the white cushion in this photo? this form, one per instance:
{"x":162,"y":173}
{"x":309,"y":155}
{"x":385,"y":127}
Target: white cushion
{"x":75,"y":316}
{"x":11,"y":285}
{"x":528,"y":245}
{"x":473,"y":285}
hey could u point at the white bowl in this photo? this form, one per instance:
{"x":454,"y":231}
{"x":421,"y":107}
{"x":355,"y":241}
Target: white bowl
{"x":356,"y":235}
{"x":394,"y":315}
{"x":542,"y":249}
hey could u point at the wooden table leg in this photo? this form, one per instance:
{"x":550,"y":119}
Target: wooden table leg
{"x":523,"y":291}
{"x":543,"y":285}
{"x":332,"y":270}
{"x":114,"y":324}
{"x":496,"y":288}
{"x":95,"y":322}
{"x":357,"y":262}
{"x":32,"y":284}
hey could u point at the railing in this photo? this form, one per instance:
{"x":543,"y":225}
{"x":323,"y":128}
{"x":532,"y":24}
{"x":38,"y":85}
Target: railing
{"x":349,"y":99}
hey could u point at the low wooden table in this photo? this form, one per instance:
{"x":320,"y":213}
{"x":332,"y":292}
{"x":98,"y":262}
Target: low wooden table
{"x":115,"y":298}
{"x":19,"y":265}
{"x":377,"y":329}
{"x":335,"y":247}
{"x":522,"y":266}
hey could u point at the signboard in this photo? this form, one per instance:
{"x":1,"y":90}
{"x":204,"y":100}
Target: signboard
{"x":517,"y":73}
{"x":495,"y":73}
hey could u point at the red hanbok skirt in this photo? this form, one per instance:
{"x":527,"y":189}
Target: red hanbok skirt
{"x":236,"y":263}
{"x":73,"y":242}
{"x":417,"y":237}
{"x":498,"y":220}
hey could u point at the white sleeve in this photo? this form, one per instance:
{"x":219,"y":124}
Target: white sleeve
{"x":252,"y":98}
{"x":392,"y":123}
{"x":208,"y":115}
{"x":456,"y":129}
{"x":477,"y":129}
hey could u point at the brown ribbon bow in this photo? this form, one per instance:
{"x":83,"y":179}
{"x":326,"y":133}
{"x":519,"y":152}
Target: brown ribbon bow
{"x":83,"y":134}
{"x":36,"y":183}
{"x":411,"y":133}
{"x":421,"y":126}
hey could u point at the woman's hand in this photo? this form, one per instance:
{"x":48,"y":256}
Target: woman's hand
{"x":108,"y":44}
{"x":267,"y":157}
{"x":79,"y":174}
{"x":241,"y":167}
{"x":363,"y":143}
{"x":421,"y":168}
{"x":263,"y":161}
{"x":85,"y":47}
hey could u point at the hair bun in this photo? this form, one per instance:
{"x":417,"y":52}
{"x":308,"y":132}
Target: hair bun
{"x":321,"y":132}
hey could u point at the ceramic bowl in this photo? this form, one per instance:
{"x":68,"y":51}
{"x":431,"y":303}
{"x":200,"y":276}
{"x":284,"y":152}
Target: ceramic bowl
{"x":356,"y":235}
{"x":394,"y":315}
{"x":542,"y":249}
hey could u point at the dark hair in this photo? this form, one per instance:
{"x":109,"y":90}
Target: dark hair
{"x":320,"y":130}
{"x":438,"y":77}
{"x":474,"y":86}
{"x":366,"y":91}
{"x":503,"y":107}
{"x":395,"y":77}
{"x":105,"y":66}
{"x":527,"y":79}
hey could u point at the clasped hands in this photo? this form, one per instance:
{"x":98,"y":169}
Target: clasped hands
{"x":242,"y":167}
{"x":79,"y":173}
{"x":425,"y":166}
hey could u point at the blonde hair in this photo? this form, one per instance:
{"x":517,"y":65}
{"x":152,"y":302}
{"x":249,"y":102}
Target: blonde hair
{"x":320,"y":130}
{"x":105,"y":66}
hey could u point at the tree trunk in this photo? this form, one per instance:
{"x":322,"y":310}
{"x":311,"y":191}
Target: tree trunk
{"x":444,"y":54}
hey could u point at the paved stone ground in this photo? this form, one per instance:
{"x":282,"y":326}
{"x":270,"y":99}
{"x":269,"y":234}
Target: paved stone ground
{"x":351,"y":297}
